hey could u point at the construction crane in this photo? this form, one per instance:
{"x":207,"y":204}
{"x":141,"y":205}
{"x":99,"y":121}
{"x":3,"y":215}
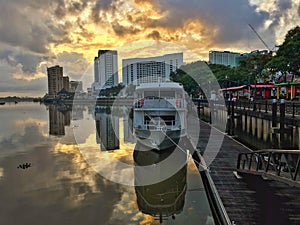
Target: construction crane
{"x":265,"y":44}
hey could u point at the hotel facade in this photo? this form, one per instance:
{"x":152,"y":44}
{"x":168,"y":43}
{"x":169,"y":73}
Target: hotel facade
{"x":150,"y":70}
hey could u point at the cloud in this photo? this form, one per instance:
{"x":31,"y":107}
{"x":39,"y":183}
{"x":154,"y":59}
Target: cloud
{"x":74,"y":64}
{"x":155,"y":35}
{"x":36,"y":33}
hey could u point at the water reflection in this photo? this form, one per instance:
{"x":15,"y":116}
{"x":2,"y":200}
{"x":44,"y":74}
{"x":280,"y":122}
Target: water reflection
{"x":63,"y":187}
{"x":165,"y":199}
{"x":107,"y":127}
{"x":59,"y":117}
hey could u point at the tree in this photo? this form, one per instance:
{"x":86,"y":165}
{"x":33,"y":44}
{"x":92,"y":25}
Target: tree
{"x":287,"y":58}
{"x":255,"y":66}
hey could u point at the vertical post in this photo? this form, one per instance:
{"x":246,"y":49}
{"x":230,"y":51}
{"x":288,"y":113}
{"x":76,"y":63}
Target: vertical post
{"x":228,"y":117}
{"x":198,"y":109}
{"x":211,"y":111}
{"x":232,"y":117}
{"x":293,"y":116}
{"x":281,"y":121}
{"x":266,"y":106}
{"x":274,"y":123}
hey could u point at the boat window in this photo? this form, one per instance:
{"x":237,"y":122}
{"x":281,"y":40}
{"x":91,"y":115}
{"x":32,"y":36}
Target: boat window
{"x":179,"y":95}
{"x":167,"y":94}
{"x":151,"y":94}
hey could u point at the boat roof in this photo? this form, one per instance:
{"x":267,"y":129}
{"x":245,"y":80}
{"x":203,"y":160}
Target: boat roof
{"x":164,"y":85}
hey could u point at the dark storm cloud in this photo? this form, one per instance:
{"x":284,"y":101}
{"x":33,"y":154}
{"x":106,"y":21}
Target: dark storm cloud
{"x":225,"y":22}
{"x":101,"y":5}
{"x":230,"y":17}
{"x":154,"y":35}
{"x":24,"y":24}
{"x":124,"y":30}
{"x":28,"y":62}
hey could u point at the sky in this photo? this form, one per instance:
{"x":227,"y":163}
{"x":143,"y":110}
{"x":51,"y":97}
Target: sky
{"x":38,"y":34}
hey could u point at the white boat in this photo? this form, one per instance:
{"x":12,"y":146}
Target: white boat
{"x":160,"y":114}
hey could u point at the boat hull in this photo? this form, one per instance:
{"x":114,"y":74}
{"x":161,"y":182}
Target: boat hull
{"x":158,"y":140}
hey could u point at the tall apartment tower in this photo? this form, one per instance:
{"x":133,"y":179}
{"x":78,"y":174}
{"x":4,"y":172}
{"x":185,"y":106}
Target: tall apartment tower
{"x":55,"y":80}
{"x":105,"y":70}
{"x":150,"y":70}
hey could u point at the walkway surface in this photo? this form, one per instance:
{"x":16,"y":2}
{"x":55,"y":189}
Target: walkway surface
{"x":250,"y":200}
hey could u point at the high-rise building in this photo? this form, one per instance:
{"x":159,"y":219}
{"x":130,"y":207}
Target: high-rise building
{"x":56,"y":81}
{"x":149,"y":70}
{"x":66,"y":83}
{"x":76,"y":86}
{"x":105,"y":70}
{"x":225,"y":58}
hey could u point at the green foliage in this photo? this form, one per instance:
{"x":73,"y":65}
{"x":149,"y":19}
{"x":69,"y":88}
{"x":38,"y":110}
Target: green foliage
{"x":287,"y":58}
{"x":254,"y":66}
{"x":114,"y":91}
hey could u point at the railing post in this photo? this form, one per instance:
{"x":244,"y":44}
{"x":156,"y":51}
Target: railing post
{"x":274,"y":123}
{"x":281,"y":121}
{"x":232,"y":117}
{"x":238,"y":162}
{"x":254,"y":106}
{"x":297,"y":168}
{"x":293,"y":116}
{"x":266,"y":106}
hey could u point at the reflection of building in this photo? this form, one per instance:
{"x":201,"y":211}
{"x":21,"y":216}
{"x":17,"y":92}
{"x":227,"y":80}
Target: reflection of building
{"x":58,"y":120}
{"x":225,"y":58}
{"x":166,"y":197}
{"x":76,"y":86}
{"x":105,"y":70}
{"x":107,"y":127}
{"x":149,"y":70}
{"x":128,"y":130}
{"x":56,"y":81}
{"x":77,"y":112}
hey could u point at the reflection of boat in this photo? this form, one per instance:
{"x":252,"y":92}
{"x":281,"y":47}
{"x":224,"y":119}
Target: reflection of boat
{"x":165,"y":198}
{"x":2,"y":102}
{"x":159,"y":114}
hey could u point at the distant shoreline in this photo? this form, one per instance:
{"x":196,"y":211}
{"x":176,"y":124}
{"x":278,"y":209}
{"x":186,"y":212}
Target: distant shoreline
{"x":19,"y":99}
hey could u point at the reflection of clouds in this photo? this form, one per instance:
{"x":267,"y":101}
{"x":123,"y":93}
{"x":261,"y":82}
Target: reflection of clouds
{"x":32,"y":136}
{"x":60,"y":188}
{"x":79,"y":172}
{"x":1,"y":173}
{"x":127,"y":209}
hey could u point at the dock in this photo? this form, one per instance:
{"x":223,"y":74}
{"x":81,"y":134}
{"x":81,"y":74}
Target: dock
{"x":248,"y":199}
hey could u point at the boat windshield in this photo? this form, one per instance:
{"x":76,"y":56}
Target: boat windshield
{"x":159,"y":94}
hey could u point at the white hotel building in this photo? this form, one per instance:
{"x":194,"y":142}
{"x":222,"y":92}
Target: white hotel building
{"x":105,"y":70}
{"x":150,"y":70}
{"x":225,"y":58}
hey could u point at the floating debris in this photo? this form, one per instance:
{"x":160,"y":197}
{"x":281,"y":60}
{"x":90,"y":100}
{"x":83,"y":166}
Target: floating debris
{"x":24,"y":166}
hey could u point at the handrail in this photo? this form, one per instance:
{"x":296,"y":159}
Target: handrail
{"x":282,"y":165}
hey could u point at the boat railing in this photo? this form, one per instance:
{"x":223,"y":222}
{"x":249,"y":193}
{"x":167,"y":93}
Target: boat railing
{"x":160,"y":125}
{"x":154,"y":102}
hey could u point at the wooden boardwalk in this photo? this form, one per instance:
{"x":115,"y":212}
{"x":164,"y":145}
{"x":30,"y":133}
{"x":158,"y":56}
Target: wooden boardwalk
{"x":250,"y":200}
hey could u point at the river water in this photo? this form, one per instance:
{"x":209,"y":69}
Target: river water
{"x":62,"y":166}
